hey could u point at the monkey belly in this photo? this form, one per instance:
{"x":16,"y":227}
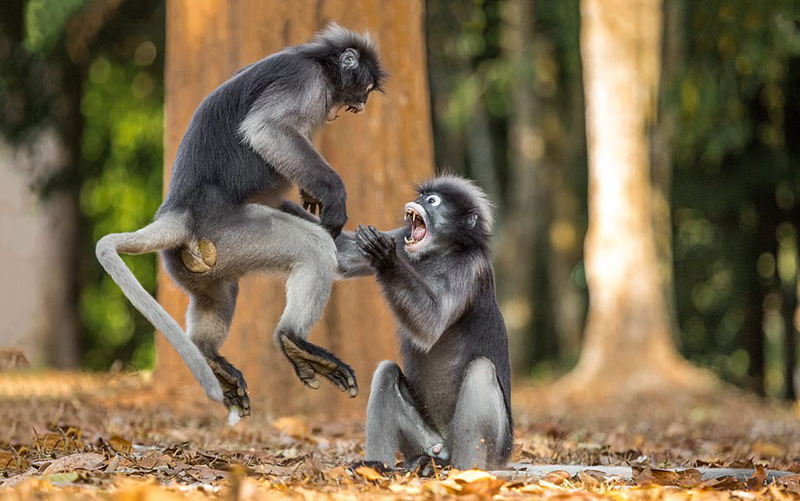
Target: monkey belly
{"x":435,"y":379}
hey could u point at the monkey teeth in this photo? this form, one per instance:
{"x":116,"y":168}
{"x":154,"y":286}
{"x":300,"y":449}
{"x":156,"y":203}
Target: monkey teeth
{"x":418,"y":229}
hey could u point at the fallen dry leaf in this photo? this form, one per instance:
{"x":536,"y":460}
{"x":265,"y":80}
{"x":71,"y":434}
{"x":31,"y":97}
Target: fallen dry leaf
{"x":80,"y":461}
{"x":292,"y":426}
{"x":369,"y":473}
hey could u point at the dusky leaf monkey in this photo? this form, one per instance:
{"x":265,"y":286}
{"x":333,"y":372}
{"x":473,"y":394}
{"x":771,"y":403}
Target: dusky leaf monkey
{"x":451,"y":401}
{"x":247,"y":143}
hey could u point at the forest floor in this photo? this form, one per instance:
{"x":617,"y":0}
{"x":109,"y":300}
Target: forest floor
{"x":76,"y":436}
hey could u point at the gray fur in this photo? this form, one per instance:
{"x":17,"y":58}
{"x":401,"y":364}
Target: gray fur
{"x":393,"y":420}
{"x":452,"y":335}
{"x":166,"y":232}
{"x":246,"y":144}
{"x":479,"y":420}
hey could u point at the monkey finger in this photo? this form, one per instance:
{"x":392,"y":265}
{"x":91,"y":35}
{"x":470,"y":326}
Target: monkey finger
{"x":367,"y":245}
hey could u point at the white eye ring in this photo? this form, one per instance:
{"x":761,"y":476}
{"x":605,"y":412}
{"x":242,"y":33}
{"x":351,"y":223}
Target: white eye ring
{"x":433,"y":200}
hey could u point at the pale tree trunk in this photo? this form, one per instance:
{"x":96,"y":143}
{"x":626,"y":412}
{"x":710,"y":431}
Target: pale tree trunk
{"x":628,"y":343}
{"x":379,"y":154}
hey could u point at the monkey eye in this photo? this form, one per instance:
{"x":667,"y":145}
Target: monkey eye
{"x":433,"y":200}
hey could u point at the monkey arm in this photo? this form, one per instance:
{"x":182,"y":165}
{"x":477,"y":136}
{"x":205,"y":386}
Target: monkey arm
{"x":427,"y":304}
{"x":294,"y":157}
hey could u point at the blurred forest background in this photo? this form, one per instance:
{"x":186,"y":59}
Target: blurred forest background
{"x":86,"y":79}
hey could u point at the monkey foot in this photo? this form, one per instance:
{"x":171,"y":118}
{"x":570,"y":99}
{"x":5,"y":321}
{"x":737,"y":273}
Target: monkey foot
{"x":423,"y":465}
{"x":234,"y":387}
{"x":310,"y":360}
{"x":378,"y":466}
{"x":199,"y":256}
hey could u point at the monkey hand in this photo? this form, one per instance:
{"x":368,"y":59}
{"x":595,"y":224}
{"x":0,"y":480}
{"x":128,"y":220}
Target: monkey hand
{"x":333,"y":218}
{"x":309,"y":360}
{"x":311,"y":203}
{"x":379,"y":248}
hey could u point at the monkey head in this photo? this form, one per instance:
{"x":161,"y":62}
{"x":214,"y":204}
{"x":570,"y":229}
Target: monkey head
{"x":351,"y":64}
{"x":450,"y":213}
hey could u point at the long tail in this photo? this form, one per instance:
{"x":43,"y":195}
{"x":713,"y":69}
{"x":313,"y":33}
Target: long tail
{"x":167,"y":232}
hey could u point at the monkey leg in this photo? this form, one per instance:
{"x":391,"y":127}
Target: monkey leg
{"x":208,"y":319}
{"x":308,"y":289}
{"x":394,"y":422}
{"x":262,"y":239}
{"x":479,"y":426}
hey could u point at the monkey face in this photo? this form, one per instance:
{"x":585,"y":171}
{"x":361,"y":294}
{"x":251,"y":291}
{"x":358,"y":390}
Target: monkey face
{"x":423,"y":214}
{"x":450,"y":213}
{"x":351,"y":67}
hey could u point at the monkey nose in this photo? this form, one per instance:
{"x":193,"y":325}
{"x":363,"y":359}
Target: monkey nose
{"x":359,"y":107}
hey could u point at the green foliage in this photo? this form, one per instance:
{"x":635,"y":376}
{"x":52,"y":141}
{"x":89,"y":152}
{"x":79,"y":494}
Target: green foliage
{"x":107,"y":108}
{"x":122,"y":150}
{"x":45,"y":21}
{"x":736,"y":182}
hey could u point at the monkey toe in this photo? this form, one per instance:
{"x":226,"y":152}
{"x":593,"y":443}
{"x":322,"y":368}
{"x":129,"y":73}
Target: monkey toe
{"x":310,"y":360}
{"x":234,"y":387}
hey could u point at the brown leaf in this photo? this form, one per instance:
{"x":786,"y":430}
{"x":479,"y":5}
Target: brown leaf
{"x":556,"y":477}
{"x":790,"y":482}
{"x":723,"y":483}
{"x":292,"y":426}
{"x":757,"y":480}
{"x":80,"y":461}
{"x":478,"y":482}
{"x":369,"y":473}
{"x":592,"y":479}
{"x":119,"y":444}
{"x":11,"y":461}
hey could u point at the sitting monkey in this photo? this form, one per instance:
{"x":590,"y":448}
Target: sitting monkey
{"x":452,"y":403}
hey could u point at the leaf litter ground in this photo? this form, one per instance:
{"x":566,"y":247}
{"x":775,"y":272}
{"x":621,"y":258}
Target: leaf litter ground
{"x":76,"y":436}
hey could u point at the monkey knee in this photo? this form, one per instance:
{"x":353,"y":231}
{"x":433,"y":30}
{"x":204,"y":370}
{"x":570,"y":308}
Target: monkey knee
{"x":385,"y":378}
{"x":481,"y":394}
{"x":323,"y":255}
{"x":480,"y":372}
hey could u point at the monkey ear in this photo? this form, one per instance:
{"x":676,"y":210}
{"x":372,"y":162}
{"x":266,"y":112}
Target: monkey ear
{"x":349,"y":59}
{"x":472,"y":220}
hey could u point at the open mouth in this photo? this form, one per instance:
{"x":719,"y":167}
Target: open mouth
{"x":419,"y":229}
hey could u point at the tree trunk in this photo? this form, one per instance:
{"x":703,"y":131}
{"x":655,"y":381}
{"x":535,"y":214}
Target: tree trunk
{"x":628,"y":342}
{"x":379,"y":155}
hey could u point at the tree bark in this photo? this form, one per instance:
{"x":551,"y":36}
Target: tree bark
{"x":628,"y":343}
{"x":379,"y":155}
